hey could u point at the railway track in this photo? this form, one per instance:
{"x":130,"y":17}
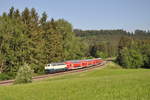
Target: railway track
{"x":10,"y":82}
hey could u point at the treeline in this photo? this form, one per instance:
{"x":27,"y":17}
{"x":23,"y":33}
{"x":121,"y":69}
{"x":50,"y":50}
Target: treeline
{"x":134,"y":53}
{"x":102,"y":43}
{"x":131,"y":49}
{"x":25,"y":37}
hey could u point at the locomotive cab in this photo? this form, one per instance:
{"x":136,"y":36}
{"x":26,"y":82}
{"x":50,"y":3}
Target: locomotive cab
{"x":54,"y":67}
{"x":49,"y":68}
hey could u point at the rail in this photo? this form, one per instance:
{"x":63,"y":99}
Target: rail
{"x":9,"y":82}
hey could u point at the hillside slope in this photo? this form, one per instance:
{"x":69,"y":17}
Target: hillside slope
{"x":110,"y":83}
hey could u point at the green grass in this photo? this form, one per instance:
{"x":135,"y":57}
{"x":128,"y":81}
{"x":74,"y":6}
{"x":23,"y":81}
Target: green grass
{"x":110,"y":83}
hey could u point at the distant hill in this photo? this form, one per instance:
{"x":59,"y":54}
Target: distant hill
{"x":109,"y":39}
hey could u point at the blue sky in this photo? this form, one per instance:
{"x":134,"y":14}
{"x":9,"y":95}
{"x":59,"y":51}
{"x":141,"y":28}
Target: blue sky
{"x":91,"y":14}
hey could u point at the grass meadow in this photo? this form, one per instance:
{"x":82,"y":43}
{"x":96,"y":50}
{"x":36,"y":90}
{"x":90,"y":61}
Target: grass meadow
{"x":110,"y":83}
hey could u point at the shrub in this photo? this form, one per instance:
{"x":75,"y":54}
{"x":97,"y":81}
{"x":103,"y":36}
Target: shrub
{"x":4,"y":76}
{"x":100,"y":54}
{"x":24,"y":74}
{"x":130,"y":58}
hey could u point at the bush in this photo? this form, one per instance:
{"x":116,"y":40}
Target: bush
{"x":7,"y":76}
{"x":24,"y":74}
{"x":130,"y":58}
{"x":4,"y":77}
{"x":100,"y":54}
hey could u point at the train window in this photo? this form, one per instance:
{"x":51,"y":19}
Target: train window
{"x":57,"y":64}
{"x":48,"y":64}
{"x":54,"y":64}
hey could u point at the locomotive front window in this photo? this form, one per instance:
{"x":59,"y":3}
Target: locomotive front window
{"x":54,"y":64}
{"x":57,"y":64}
{"x":48,"y":65}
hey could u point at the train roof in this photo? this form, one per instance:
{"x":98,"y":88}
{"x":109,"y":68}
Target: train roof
{"x":81,"y":60}
{"x":61,"y":63}
{"x":73,"y":60}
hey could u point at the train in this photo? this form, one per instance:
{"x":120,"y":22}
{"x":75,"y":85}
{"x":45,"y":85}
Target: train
{"x":72,"y":64}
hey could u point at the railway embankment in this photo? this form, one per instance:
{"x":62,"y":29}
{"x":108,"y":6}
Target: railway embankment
{"x":108,"y":83}
{"x":41,"y":77}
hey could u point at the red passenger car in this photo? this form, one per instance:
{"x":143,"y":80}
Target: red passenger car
{"x":75,"y":64}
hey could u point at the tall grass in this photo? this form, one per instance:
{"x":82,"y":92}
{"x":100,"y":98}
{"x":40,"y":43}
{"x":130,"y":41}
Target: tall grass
{"x":100,"y":84}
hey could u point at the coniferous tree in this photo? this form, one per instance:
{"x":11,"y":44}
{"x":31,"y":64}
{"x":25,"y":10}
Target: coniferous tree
{"x":26,"y":37}
{"x":43,"y":18}
{"x":11,"y":12}
{"x":26,"y":16}
{"x":17,"y":14}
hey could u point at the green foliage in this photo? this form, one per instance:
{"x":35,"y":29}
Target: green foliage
{"x":110,"y":42}
{"x":7,"y":76}
{"x":26,"y":37}
{"x":44,"y":18}
{"x":105,"y":41}
{"x":100,"y":54}
{"x":136,"y":59}
{"x":123,"y":58}
{"x":73,"y":47}
{"x":4,"y":76}
{"x":130,"y":58}
{"x":90,"y":57}
{"x":13,"y":46}
{"x":24,"y":74}
{"x":133,"y":53}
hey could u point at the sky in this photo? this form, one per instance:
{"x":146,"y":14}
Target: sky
{"x":91,"y":14}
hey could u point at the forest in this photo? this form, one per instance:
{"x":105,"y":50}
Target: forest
{"x":131,"y":49}
{"x":25,"y":37}
{"x":29,"y":38}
